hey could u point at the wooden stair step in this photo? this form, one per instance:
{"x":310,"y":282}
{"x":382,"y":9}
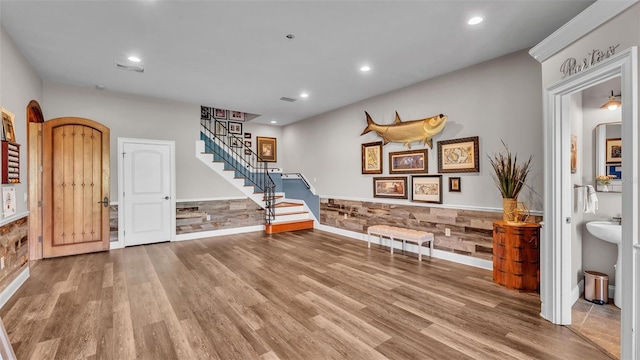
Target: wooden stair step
{"x":287,"y":204}
{"x":288,"y":226}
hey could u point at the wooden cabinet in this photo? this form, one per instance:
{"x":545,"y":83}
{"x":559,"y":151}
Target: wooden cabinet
{"x":516,"y":255}
{"x":10,"y":162}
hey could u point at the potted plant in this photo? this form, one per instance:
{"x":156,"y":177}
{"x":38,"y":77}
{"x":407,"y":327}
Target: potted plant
{"x":509,"y":177}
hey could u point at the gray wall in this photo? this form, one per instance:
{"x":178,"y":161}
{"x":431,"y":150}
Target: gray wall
{"x":142,"y":117}
{"x":19,"y":84}
{"x":496,"y":100}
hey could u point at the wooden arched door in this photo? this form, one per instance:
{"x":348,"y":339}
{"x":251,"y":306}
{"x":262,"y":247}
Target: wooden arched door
{"x":75,"y":186}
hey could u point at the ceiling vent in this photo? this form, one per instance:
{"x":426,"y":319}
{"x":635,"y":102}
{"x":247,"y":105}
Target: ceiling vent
{"x":135,"y":68}
{"x":288,"y":99}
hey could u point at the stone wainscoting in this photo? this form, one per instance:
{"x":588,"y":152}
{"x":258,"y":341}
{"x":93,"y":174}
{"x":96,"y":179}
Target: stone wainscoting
{"x":191,"y":216}
{"x":471,"y":230}
{"x":14,"y":250}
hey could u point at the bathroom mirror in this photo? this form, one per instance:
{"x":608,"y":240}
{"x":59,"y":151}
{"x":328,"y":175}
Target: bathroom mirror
{"x":608,"y":151}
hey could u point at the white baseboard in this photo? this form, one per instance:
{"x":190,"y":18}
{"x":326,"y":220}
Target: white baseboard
{"x":577,"y":291}
{"x":445,"y":255}
{"x":221,"y":232}
{"x":14,"y":286}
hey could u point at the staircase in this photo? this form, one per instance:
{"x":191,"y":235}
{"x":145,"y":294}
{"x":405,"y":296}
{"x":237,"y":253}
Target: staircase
{"x":242,"y":167}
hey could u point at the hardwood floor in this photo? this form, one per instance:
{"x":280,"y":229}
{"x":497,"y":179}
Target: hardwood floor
{"x":303,"y":295}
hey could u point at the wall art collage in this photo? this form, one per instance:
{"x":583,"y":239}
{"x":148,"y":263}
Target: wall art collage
{"x":454,"y":156}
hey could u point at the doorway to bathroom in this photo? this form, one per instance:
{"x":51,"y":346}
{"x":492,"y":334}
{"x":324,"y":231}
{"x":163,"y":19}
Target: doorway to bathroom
{"x":557,"y":254}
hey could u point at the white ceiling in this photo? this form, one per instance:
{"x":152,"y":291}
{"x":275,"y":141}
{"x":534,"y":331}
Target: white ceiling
{"x":235,"y":54}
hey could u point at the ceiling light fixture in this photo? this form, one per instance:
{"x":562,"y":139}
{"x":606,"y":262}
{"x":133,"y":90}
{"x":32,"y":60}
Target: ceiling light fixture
{"x":475,"y":20}
{"x":134,"y":59}
{"x":304,"y":95}
{"x":273,"y":122}
{"x":365,"y":68}
{"x":612,"y":104}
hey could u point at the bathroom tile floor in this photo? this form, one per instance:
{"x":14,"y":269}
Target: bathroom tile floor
{"x":598,"y":323}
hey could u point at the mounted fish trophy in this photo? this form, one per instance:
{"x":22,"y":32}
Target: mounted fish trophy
{"x":408,"y":131}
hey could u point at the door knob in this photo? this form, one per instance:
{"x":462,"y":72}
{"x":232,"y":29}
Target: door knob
{"x":166,"y":198}
{"x":104,"y":202}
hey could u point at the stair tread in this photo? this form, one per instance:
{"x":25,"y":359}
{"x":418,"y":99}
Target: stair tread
{"x":288,"y":204}
{"x":292,"y":222}
{"x":292,"y":213}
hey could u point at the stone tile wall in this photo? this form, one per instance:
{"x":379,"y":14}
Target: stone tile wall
{"x":191,"y":216}
{"x":471,"y":230}
{"x":14,"y":248}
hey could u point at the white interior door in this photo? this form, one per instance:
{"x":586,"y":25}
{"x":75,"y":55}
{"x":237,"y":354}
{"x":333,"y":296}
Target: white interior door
{"x":147,"y":190}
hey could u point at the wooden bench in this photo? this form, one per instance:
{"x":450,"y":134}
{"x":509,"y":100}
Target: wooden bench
{"x":394,"y":232}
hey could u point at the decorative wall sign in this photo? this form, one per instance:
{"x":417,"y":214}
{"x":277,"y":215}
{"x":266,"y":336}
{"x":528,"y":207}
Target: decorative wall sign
{"x":458,"y":155}
{"x":571,"y":66}
{"x":390,"y":187}
{"x":408,"y":162}
{"x":408,"y":131}
{"x":614,"y":151}
{"x":372,"y":158}
{"x":427,"y":188}
{"x":8,"y":201}
{"x":267,"y":149}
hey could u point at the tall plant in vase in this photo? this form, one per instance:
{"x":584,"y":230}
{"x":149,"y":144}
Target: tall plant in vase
{"x":509,"y":177}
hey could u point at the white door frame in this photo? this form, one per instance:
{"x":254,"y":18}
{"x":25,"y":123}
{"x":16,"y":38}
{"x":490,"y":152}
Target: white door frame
{"x":121,"y":173}
{"x":555,"y":265}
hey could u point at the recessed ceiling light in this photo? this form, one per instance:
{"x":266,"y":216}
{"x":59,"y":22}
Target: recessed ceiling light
{"x":134,"y":59}
{"x":273,"y":122}
{"x":475,"y":20}
{"x":365,"y":68}
{"x":304,"y":95}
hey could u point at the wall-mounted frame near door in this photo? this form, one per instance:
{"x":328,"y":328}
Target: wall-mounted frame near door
{"x":146,"y":192}
{"x":555,"y":265}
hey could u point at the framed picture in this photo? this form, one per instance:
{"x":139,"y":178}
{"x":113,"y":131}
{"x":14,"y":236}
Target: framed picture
{"x":267,"y":149}
{"x":454,"y":184}
{"x":615,"y":170}
{"x":220,"y":114}
{"x":8,"y":133}
{"x":427,"y":188}
{"x":390,"y":187}
{"x":205,"y":113}
{"x":458,"y":155}
{"x":247,"y":135}
{"x":236,"y":142}
{"x":220,"y":128}
{"x":247,"y":151}
{"x":574,"y":154}
{"x":372,"y":158}
{"x":236,"y":115}
{"x":614,"y":149}
{"x":247,"y":143}
{"x":235,"y":128}
{"x":408,"y":162}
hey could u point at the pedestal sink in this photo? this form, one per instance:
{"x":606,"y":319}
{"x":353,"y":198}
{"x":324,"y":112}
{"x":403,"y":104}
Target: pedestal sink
{"x":610,"y":231}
